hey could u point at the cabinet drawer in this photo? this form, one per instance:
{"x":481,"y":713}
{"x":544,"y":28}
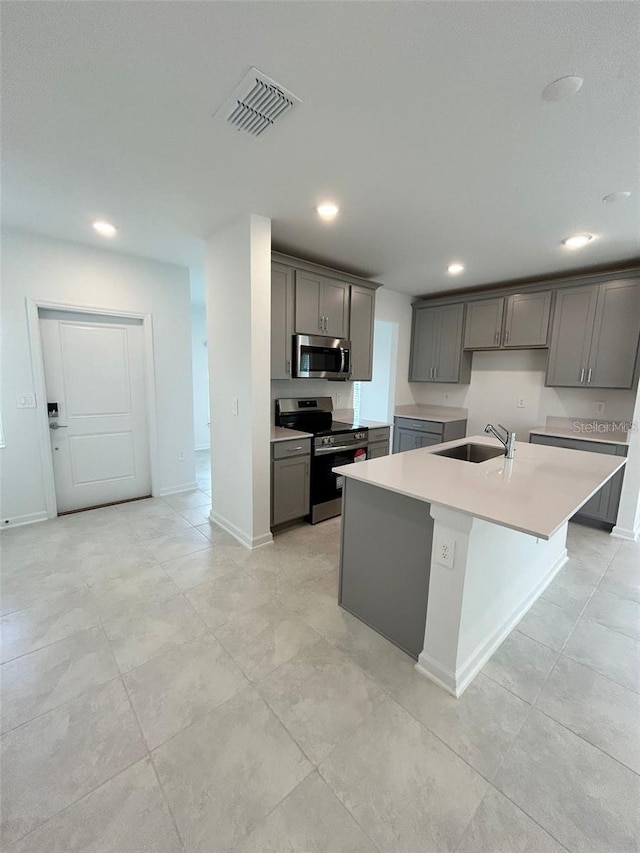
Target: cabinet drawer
{"x":379,"y":434}
{"x":421,"y":426}
{"x":287,"y":449}
{"x":375,"y":451}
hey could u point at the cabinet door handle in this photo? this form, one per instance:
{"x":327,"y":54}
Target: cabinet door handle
{"x":506,"y":337}
{"x":582,"y":376}
{"x":288,"y":366}
{"x":435,"y":372}
{"x":294,"y":449}
{"x":497,"y":337}
{"x":589,"y":372}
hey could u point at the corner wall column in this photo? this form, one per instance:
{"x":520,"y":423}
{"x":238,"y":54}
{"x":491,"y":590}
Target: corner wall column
{"x":238,"y":296}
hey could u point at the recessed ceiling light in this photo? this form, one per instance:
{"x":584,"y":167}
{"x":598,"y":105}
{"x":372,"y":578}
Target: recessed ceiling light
{"x":327,"y":210}
{"x":562,"y":88}
{"x":455,"y":268}
{"x":619,"y":196}
{"x":577,"y":241}
{"x":104,"y":229}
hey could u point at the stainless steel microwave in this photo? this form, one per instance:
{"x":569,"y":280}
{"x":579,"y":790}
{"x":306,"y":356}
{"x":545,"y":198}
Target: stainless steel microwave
{"x":320,"y":357}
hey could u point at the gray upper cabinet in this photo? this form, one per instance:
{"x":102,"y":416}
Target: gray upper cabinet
{"x":594,"y":339}
{"x":616,"y":330}
{"x":527,"y":319}
{"x":309,"y":316}
{"x":361,"y":317}
{"x":322,"y":305}
{"x":436,"y":345}
{"x":484,"y":324}
{"x":282,"y":304}
{"x":335,"y":295}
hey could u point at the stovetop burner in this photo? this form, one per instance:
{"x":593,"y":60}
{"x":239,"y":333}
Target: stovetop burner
{"x":311,"y":414}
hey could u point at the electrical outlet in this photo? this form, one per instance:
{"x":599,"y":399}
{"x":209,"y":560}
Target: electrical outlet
{"x":600,"y":408}
{"x":521,"y":403}
{"x":446,"y":396}
{"x":234,"y":406}
{"x":445,"y":551}
{"x":181,"y":456}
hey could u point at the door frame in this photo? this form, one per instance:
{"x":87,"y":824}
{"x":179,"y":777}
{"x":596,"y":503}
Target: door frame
{"x":37,"y":363}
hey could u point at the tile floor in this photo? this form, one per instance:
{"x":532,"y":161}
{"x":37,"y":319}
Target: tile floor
{"x":164,"y":690}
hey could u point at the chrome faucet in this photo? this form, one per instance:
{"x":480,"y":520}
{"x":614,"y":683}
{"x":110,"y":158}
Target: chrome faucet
{"x":508,"y":442}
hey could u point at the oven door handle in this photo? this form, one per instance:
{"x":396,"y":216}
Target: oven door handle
{"x":324,"y":451}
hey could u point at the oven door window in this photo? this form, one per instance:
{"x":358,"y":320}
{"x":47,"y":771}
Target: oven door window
{"x":320,"y":359}
{"x":325,"y":485}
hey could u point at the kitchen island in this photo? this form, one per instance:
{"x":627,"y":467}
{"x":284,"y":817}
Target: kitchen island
{"x":444,"y":556}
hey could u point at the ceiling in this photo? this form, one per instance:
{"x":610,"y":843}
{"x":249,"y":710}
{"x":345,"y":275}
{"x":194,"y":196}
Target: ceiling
{"x":423,"y":120}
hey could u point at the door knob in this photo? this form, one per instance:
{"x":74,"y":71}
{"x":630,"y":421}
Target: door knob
{"x":55,"y":425}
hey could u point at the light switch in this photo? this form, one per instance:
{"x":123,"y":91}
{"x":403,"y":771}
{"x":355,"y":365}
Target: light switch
{"x":234,"y":406}
{"x":26,"y":401}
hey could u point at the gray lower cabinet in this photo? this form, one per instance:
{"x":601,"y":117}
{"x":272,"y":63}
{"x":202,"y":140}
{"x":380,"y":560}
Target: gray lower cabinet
{"x":361,"y":316}
{"x":290,"y":480}
{"x":322,"y":305}
{"x":483,"y":325}
{"x":436,"y":345}
{"x":603,"y":506}
{"x":595,"y":333}
{"x":412,"y":433}
{"x":527,"y":319}
{"x":378,"y":442}
{"x":282,"y":306}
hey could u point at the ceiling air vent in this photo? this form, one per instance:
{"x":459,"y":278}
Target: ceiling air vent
{"x":256,"y":104}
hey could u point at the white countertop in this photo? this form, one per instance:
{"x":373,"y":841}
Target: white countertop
{"x":440,"y":414}
{"x":581,"y":435}
{"x":363,"y":422}
{"x":283,"y":434}
{"x":536,"y":492}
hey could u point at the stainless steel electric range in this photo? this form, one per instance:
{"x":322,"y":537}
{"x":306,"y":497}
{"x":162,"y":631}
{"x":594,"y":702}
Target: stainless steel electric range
{"x":334,"y":443}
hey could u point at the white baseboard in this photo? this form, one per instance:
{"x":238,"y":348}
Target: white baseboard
{"x":21,"y":520}
{"x":203,"y":447}
{"x":626,"y":533}
{"x":177,"y":490}
{"x":251,"y":543}
{"x":457,"y":682}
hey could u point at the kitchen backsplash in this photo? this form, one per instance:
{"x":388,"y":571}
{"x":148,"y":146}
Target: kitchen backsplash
{"x":499,"y":380}
{"x":340,"y":392}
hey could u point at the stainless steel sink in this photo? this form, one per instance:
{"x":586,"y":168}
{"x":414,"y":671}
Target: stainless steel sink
{"x":470,"y":452}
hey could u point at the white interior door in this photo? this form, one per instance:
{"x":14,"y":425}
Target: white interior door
{"x":94,"y":375}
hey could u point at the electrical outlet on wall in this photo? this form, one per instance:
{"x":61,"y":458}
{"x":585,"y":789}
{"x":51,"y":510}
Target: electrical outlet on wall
{"x":445,"y":551}
{"x":521,"y":404}
{"x":181,"y":456}
{"x":600,"y":408}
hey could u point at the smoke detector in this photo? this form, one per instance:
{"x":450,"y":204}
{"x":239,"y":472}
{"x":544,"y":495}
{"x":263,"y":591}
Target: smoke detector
{"x":256,"y":103}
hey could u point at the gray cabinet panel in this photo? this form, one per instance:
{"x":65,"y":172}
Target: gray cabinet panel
{"x":571,"y":336}
{"x":308,"y":313}
{"x":361,"y":316}
{"x":384,"y":568}
{"x":282,"y":305}
{"x":603,"y":506}
{"x":615,"y":335}
{"x":484,"y":323}
{"x":335,"y":307}
{"x":527,"y":319}
{"x":436,"y":345}
{"x":375,"y":451}
{"x":423,"y":342}
{"x":289,"y":489}
{"x":449,"y":343}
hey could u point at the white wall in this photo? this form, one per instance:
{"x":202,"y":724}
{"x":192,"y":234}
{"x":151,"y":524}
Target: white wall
{"x":377,"y":398}
{"x":238,"y":274}
{"x":37,"y":267}
{"x":200,"y":370}
{"x":498,"y":379}
{"x":628,"y":522}
{"x":340,"y":392}
{"x":394,"y":307}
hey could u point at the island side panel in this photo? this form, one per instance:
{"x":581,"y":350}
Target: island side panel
{"x":496,"y":576}
{"x":384,"y":562}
